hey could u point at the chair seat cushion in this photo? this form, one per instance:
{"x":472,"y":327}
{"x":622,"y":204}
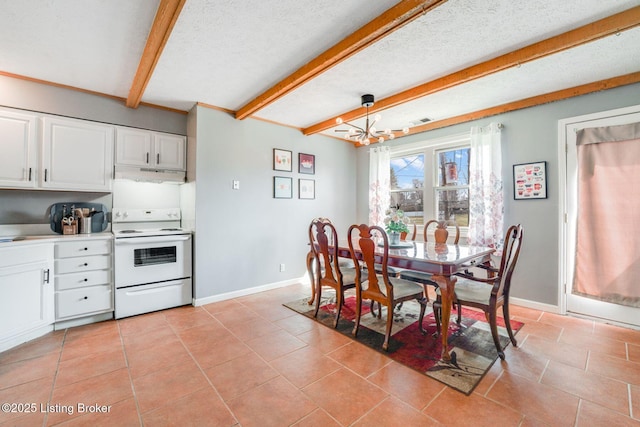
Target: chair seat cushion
{"x":418,"y":276}
{"x":469,"y":290}
{"x":349,"y":276}
{"x":402,"y":288}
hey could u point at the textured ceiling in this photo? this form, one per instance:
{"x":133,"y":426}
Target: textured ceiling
{"x":225,"y":53}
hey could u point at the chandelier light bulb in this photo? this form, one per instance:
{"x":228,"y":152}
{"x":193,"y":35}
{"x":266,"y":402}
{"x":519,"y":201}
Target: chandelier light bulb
{"x":369,"y":133}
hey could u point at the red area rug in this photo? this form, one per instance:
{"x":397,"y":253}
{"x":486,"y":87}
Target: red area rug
{"x":470,"y":344}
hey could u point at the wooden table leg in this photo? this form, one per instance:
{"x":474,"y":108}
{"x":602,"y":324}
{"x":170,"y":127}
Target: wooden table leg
{"x":446,"y":284}
{"x":310,"y":260}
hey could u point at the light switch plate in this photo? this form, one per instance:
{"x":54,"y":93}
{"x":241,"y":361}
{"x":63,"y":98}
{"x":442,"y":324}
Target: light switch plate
{"x":236,"y":184}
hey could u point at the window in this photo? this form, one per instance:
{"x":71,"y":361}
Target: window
{"x":431,"y":180}
{"x":452,"y":188}
{"x":407,"y":185}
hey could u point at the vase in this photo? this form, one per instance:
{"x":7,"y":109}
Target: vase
{"x":394,"y":238}
{"x":441,"y":234}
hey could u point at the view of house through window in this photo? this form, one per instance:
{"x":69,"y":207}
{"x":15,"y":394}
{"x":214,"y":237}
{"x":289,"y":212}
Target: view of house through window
{"x":452,"y":185}
{"x":437,"y":189}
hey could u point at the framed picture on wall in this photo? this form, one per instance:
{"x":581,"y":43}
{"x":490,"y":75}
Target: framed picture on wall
{"x":282,"y":187}
{"x":530,"y":181}
{"x":306,"y":163}
{"x":282,"y":160}
{"x":306,"y":189}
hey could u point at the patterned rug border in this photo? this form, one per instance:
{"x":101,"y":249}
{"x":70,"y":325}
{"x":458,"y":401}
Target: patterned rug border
{"x":471,"y":346}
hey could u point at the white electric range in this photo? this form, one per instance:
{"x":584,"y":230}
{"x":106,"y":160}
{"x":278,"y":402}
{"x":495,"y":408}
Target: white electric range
{"x":152,"y":260}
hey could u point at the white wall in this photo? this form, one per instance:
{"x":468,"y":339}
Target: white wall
{"x":242,"y":236}
{"x":529,"y":135}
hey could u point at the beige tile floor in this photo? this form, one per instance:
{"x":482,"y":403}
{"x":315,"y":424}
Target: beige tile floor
{"x":252,"y":362}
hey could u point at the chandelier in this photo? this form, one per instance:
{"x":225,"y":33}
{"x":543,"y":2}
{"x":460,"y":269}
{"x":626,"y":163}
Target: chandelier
{"x":369,"y":133}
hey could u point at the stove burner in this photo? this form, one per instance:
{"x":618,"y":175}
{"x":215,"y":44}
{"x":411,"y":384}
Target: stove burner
{"x":129,"y":231}
{"x":170,"y":229}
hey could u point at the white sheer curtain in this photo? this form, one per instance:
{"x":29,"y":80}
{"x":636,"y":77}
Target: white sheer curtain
{"x":486,"y":203}
{"x":379,"y":177}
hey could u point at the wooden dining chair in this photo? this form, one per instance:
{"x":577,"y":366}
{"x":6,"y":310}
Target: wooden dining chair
{"x":323,"y":239}
{"x":489,"y":293}
{"x":429,"y":236}
{"x":378,"y":287}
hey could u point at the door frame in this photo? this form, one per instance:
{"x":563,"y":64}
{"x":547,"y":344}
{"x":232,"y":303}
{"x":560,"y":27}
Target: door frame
{"x":565,"y":278}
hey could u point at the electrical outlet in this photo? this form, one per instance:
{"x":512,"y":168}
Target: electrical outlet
{"x":236,"y":184}
{"x":281,"y":268}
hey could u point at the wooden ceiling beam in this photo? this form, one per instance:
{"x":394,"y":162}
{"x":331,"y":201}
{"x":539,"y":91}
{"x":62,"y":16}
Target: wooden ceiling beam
{"x":587,"y":33}
{"x":166,"y":17}
{"x":394,"y":18}
{"x":533,"y":101}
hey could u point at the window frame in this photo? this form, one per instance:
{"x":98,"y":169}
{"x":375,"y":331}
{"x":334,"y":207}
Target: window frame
{"x":429,"y":149}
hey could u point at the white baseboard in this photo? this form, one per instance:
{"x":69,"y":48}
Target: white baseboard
{"x":16,"y":340}
{"x":535,"y":305}
{"x":247,"y":291}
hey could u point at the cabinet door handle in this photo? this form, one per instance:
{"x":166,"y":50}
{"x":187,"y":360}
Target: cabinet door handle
{"x":147,"y":158}
{"x":46,"y":276}
{"x":45,"y":175}
{"x":158,"y":158}
{"x":85,"y":298}
{"x":29,"y":174}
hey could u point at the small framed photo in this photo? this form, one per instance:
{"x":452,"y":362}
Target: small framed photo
{"x":282,"y":160}
{"x":306,"y":163}
{"x":306,"y":189}
{"x":530,"y":181}
{"x":282,"y":187}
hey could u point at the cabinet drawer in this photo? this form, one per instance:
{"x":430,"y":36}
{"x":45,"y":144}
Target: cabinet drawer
{"x":84,"y":279}
{"x":84,"y":263}
{"x":75,"y":302}
{"x":81,"y":248}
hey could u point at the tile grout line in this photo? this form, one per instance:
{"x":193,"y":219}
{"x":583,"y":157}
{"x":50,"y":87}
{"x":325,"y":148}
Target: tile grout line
{"x":126,"y":361}
{"x":213,"y":387}
{"x":55,"y":376}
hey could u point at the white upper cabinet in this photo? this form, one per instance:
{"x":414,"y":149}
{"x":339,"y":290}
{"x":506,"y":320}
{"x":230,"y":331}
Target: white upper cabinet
{"x":135,"y":147}
{"x":19,"y":143}
{"x":76,"y":155}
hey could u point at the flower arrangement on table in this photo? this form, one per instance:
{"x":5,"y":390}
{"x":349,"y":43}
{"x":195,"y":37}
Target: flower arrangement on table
{"x":396,"y":221}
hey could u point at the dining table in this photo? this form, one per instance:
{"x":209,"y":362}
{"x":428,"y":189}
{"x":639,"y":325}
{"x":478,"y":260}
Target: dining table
{"x":440,"y":260}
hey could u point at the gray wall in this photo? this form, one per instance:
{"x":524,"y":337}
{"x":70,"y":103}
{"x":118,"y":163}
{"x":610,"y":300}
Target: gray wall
{"x":242,"y":236}
{"x":529,"y":135}
{"x":26,"y":95}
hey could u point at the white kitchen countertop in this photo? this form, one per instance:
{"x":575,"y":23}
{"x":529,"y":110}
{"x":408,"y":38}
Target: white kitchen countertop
{"x":27,"y":234}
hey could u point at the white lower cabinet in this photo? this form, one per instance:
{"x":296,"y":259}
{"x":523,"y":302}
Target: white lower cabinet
{"x":83,"y":280}
{"x":26,"y":290}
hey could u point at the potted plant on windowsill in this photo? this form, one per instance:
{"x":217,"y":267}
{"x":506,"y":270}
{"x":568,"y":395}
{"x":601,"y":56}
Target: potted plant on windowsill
{"x":395,"y":223}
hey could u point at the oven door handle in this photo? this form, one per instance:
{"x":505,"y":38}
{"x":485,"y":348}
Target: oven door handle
{"x":154,"y":239}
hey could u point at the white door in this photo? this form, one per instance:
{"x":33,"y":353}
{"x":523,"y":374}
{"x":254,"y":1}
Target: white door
{"x":76,"y":155}
{"x":18,"y":160}
{"x":574,"y":303}
{"x":170,"y":151}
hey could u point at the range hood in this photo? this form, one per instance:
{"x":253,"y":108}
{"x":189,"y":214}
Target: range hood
{"x":142,"y":174}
